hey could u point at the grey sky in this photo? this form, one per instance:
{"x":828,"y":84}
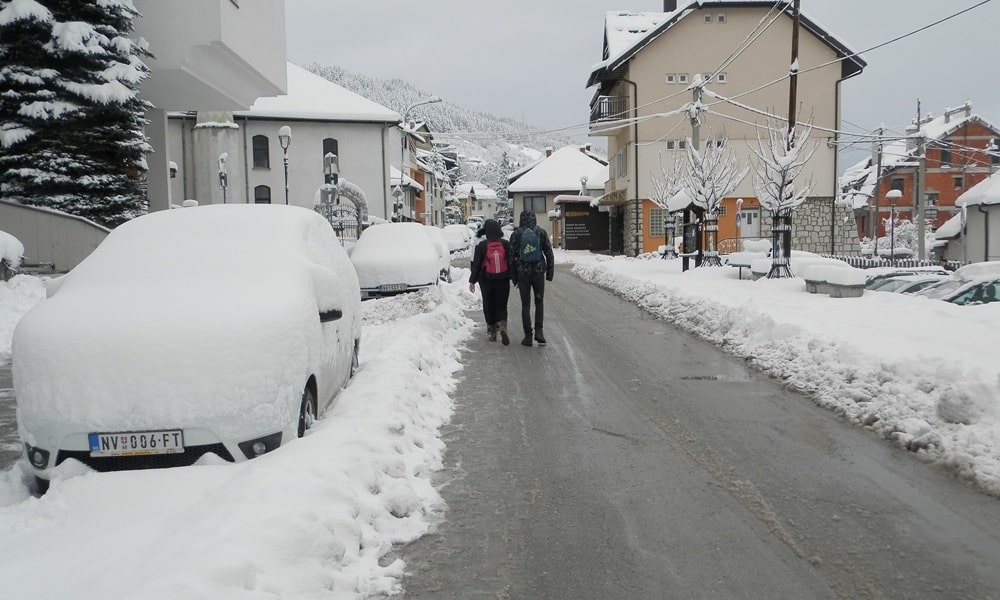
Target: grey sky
{"x":529,"y":59}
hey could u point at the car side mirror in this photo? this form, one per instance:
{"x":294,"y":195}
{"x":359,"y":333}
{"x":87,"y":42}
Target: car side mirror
{"x":334,"y":314}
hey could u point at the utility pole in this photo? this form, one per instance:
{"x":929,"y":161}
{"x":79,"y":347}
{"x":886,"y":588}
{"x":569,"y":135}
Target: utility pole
{"x":793,"y":76}
{"x":878,"y":187}
{"x":919,"y":187}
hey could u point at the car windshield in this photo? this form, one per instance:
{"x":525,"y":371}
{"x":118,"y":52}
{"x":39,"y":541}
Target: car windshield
{"x":942,"y":289}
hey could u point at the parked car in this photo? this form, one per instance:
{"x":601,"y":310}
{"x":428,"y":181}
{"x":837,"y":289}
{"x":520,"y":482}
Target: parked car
{"x":393,"y":258}
{"x":444,"y":254}
{"x":904,"y":283}
{"x":220,"y":329}
{"x":983,"y":290}
{"x":879,"y":274}
{"x":459,"y":237}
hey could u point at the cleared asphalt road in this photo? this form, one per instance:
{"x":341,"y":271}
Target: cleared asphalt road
{"x":629,"y":460}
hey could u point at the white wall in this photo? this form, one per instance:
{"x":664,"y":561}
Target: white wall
{"x":365,"y":151}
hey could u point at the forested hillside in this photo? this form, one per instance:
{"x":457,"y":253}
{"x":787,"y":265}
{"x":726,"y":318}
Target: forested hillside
{"x":478,"y":136}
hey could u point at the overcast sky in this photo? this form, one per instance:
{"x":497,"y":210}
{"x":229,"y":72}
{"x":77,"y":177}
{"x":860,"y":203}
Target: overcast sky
{"x":530,"y":59}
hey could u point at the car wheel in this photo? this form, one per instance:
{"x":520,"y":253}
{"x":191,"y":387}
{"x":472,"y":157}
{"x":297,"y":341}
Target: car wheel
{"x":307,"y":411}
{"x":355,"y":361}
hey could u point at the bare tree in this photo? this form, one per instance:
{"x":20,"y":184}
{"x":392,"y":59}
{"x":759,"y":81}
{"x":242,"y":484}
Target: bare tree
{"x":780,"y":159}
{"x":711,"y":174}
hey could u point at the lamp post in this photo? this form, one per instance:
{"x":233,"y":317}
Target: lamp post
{"x":285,"y":139}
{"x":402,"y":139}
{"x":223,"y":175}
{"x":892,"y":196}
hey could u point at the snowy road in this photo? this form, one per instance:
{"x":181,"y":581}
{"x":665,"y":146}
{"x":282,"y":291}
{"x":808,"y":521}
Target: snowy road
{"x":678,"y":473}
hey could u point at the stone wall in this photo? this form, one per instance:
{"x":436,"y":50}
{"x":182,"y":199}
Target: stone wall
{"x":811,"y":227}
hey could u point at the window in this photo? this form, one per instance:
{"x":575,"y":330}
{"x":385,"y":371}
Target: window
{"x":959,"y":182}
{"x":708,"y":18}
{"x":262,"y":195}
{"x":671,"y":78}
{"x":994,"y":147}
{"x":896,"y":184}
{"x":682,"y":144}
{"x":330,"y":146}
{"x":945,"y":156}
{"x":656,"y":219}
{"x":930,"y":199}
{"x":535,"y":204}
{"x":720,"y":19}
{"x":261,"y":152}
{"x":721,"y":78}
{"x":722,"y":210}
{"x":682,"y":78}
{"x":671,"y":145}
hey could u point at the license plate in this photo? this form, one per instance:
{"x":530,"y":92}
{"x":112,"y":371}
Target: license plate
{"x":392,"y":287}
{"x":137,"y":443}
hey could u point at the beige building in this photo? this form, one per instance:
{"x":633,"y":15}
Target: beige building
{"x":642,"y":99}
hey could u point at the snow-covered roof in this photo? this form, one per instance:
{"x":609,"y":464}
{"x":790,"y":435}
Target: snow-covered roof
{"x":986,"y":191}
{"x":950,"y":229}
{"x":562,"y":171}
{"x":902,"y":152}
{"x":483,"y":191}
{"x":407,"y":180}
{"x":627,"y":33}
{"x":311,"y":97}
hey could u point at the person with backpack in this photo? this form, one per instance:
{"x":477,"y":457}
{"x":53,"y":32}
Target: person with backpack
{"x":492,"y":268}
{"x":534,"y":264}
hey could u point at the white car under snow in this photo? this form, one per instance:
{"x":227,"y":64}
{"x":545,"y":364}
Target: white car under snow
{"x":221,"y":329}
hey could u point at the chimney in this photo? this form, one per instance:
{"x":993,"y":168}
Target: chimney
{"x":669,"y":6}
{"x":548,"y":151}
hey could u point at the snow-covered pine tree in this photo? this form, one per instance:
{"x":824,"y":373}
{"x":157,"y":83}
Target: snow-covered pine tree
{"x":70,"y":115}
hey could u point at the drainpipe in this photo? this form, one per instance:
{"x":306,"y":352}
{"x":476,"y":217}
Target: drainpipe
{"x":387,"y":174}
{"x":635,"y":164}
{"x":246,"y":166}
{"x":986,"y":231}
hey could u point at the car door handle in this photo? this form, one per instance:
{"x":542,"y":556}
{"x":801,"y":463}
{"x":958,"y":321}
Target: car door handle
{"x":333,"y":314}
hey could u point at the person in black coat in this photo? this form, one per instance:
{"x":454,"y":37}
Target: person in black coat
{"x":492,"y":268}
{"x":532,"y":268}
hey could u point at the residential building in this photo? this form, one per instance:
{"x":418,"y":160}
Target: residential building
{"x":568,"y":171}
{"x":323,"y":118}
{"x":208,"y":55}
{"x":950,"y":152}
{"x":476,"y":199}
{"x":643,"y":96}
{"x":965,"y":237}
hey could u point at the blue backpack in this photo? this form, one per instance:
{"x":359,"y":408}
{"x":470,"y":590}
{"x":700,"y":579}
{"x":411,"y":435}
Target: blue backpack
{"x":530,"y":246}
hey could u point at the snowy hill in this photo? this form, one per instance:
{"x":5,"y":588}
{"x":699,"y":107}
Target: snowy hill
{"x":480,"y":137}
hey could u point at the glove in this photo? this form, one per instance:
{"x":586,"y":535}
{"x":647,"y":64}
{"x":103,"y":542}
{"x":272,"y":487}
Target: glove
{"x":549,"y":275}
{"x":472,"y":287}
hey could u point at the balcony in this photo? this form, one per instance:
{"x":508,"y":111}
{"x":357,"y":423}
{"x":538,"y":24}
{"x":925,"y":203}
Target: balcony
{"x":607,"y":109}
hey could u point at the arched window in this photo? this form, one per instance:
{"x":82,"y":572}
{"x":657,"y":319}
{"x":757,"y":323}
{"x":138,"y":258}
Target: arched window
{"x":261,"y":152}
{"x":262,"y":194}
{"x":330,"y":145}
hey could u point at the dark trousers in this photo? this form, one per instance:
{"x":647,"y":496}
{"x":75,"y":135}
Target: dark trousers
{"x":531,"y":287}
{"x":495,"y":295}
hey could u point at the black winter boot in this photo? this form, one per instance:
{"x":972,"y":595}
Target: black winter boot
{"x":527,"y":339}
{"x":492,"y":330}
{"x":539,"y":337}
{"x":503,"y":333}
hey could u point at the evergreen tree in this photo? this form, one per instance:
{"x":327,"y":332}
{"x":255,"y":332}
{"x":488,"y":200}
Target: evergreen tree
{"x":71,"y":120}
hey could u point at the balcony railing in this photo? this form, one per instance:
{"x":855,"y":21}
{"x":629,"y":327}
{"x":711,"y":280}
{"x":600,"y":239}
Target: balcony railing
{"x":608,"y":108}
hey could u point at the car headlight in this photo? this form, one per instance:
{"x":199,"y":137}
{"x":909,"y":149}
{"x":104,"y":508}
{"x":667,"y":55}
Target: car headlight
{"x":256,"y":447}
{"x":37,"y":457}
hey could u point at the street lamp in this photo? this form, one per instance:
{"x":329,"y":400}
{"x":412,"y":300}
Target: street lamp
{"x":285,"y":139}
{"x":223,"y":175}
{"x":892,"y":196}
{"x":402,"y":135}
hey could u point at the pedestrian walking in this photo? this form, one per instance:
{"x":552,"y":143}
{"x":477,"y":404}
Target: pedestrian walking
{"x":492,"y":268}
{"x":534,"y":264}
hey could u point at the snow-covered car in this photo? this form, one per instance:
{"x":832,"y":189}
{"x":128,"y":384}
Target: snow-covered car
{"x":393,"y":258}
{"x":983,"y":290}
{"x":444,"y":254}
{"x":905,"y":284}
{"x":459,"y":237}
{"x":221,"y":329}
